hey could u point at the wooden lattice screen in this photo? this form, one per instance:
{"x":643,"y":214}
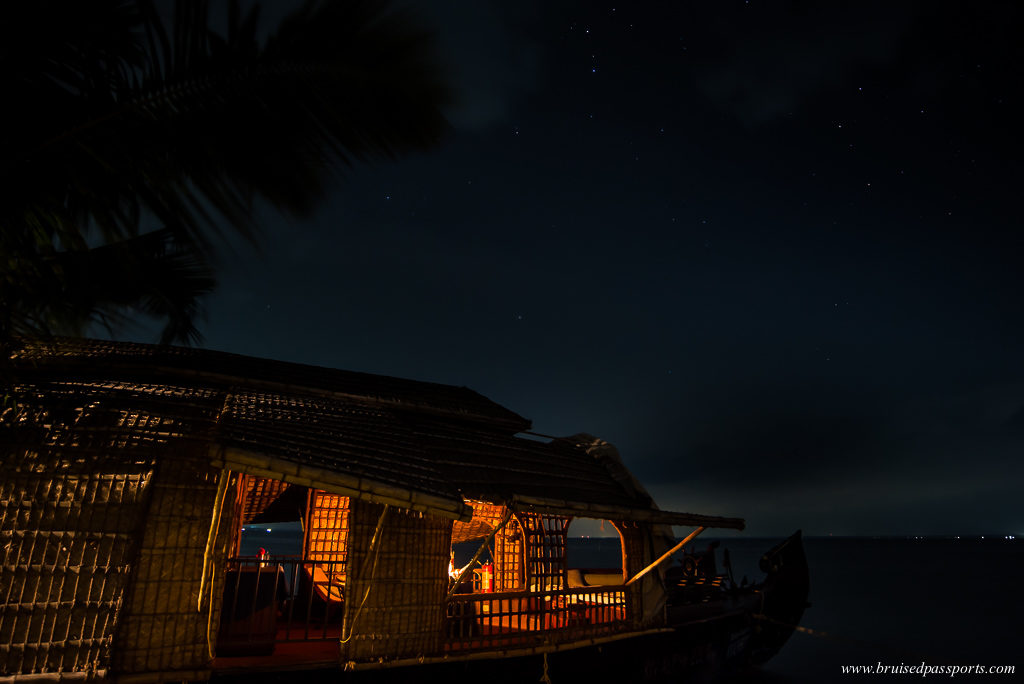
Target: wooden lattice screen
{"x":327,"y":528}
{"x":508,"y":557}
{"x":546,"y":541}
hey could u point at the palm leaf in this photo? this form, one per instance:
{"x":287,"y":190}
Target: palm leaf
{"x":112,"y":285}
{"x":124,"y":123}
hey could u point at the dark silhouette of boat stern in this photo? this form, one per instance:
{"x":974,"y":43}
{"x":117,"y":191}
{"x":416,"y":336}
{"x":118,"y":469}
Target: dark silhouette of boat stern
{"x":784,"y":596}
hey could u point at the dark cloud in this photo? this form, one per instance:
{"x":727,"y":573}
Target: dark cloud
{"x":909,"y":461}
{"x":762,"y":72}
{"x":1014,"y":424}
{"x":492,"y":63}
{"x":783,"y":439}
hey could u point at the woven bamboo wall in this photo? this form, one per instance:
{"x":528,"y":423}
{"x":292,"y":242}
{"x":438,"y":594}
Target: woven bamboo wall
{"x":69,"y":518}
{"x":165,"y":627}
{"x":403,"y":613}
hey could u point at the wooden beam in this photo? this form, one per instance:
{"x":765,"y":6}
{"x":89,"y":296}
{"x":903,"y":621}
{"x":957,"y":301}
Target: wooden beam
{"x":263,"y":464}
{"x":690,"y":537}
{"x":532,"y":504}
{"x":492,"y":654}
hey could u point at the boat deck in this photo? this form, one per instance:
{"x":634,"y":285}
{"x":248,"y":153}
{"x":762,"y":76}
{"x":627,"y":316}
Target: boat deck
{"x":500,"y":624}
{"x":281,"y":651}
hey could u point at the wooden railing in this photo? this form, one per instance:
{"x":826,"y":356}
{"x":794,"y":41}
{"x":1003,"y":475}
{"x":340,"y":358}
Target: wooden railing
{"x":514,"y":619}
{"x":280,"y":599}
{"x":292,"y":599}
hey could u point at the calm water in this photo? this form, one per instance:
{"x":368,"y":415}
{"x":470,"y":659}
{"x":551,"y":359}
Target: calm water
{"x":942,"y":601}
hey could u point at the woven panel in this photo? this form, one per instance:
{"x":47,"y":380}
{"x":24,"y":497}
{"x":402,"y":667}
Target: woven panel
{"x":403,"y":584}
{"x":165,"y":625}
{"x":75,"y":479}
{"x":486,"y":517}
{"x":491,"y":466}
{"x":342,"y":436}
{"x":157,"y":363}
{"x":260,"y":492}
{"x":67,"y":544}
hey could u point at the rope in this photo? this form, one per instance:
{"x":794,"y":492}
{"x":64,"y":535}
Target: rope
{"x":209,"y":614}
{"x":544,"y":678}
{"x":375,"y":553}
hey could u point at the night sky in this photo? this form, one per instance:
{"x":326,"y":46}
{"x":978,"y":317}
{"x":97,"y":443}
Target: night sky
{"x":769,"y":250}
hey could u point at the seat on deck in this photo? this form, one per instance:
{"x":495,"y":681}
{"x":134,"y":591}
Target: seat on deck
{"x":329,"y":588}
{"x":582,"y":577}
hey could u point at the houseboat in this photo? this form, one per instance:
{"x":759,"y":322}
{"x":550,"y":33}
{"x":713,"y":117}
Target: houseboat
{"x":129,"y":471}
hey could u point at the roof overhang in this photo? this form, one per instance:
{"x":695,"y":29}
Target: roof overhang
{"x":616,"y":512}
{"x":262,"y":464}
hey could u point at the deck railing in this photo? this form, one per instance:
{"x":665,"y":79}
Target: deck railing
{"x":280,"y":599}
{"x":513,"y":619}
{"x":293,"y":599}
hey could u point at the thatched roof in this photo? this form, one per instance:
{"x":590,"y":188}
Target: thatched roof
{"x":220,"y":370}
{"x":419,"y":445}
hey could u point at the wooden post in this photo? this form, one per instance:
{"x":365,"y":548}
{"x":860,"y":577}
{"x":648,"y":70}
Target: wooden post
{"x":690,"y":537}
{"x":211,"y":538}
